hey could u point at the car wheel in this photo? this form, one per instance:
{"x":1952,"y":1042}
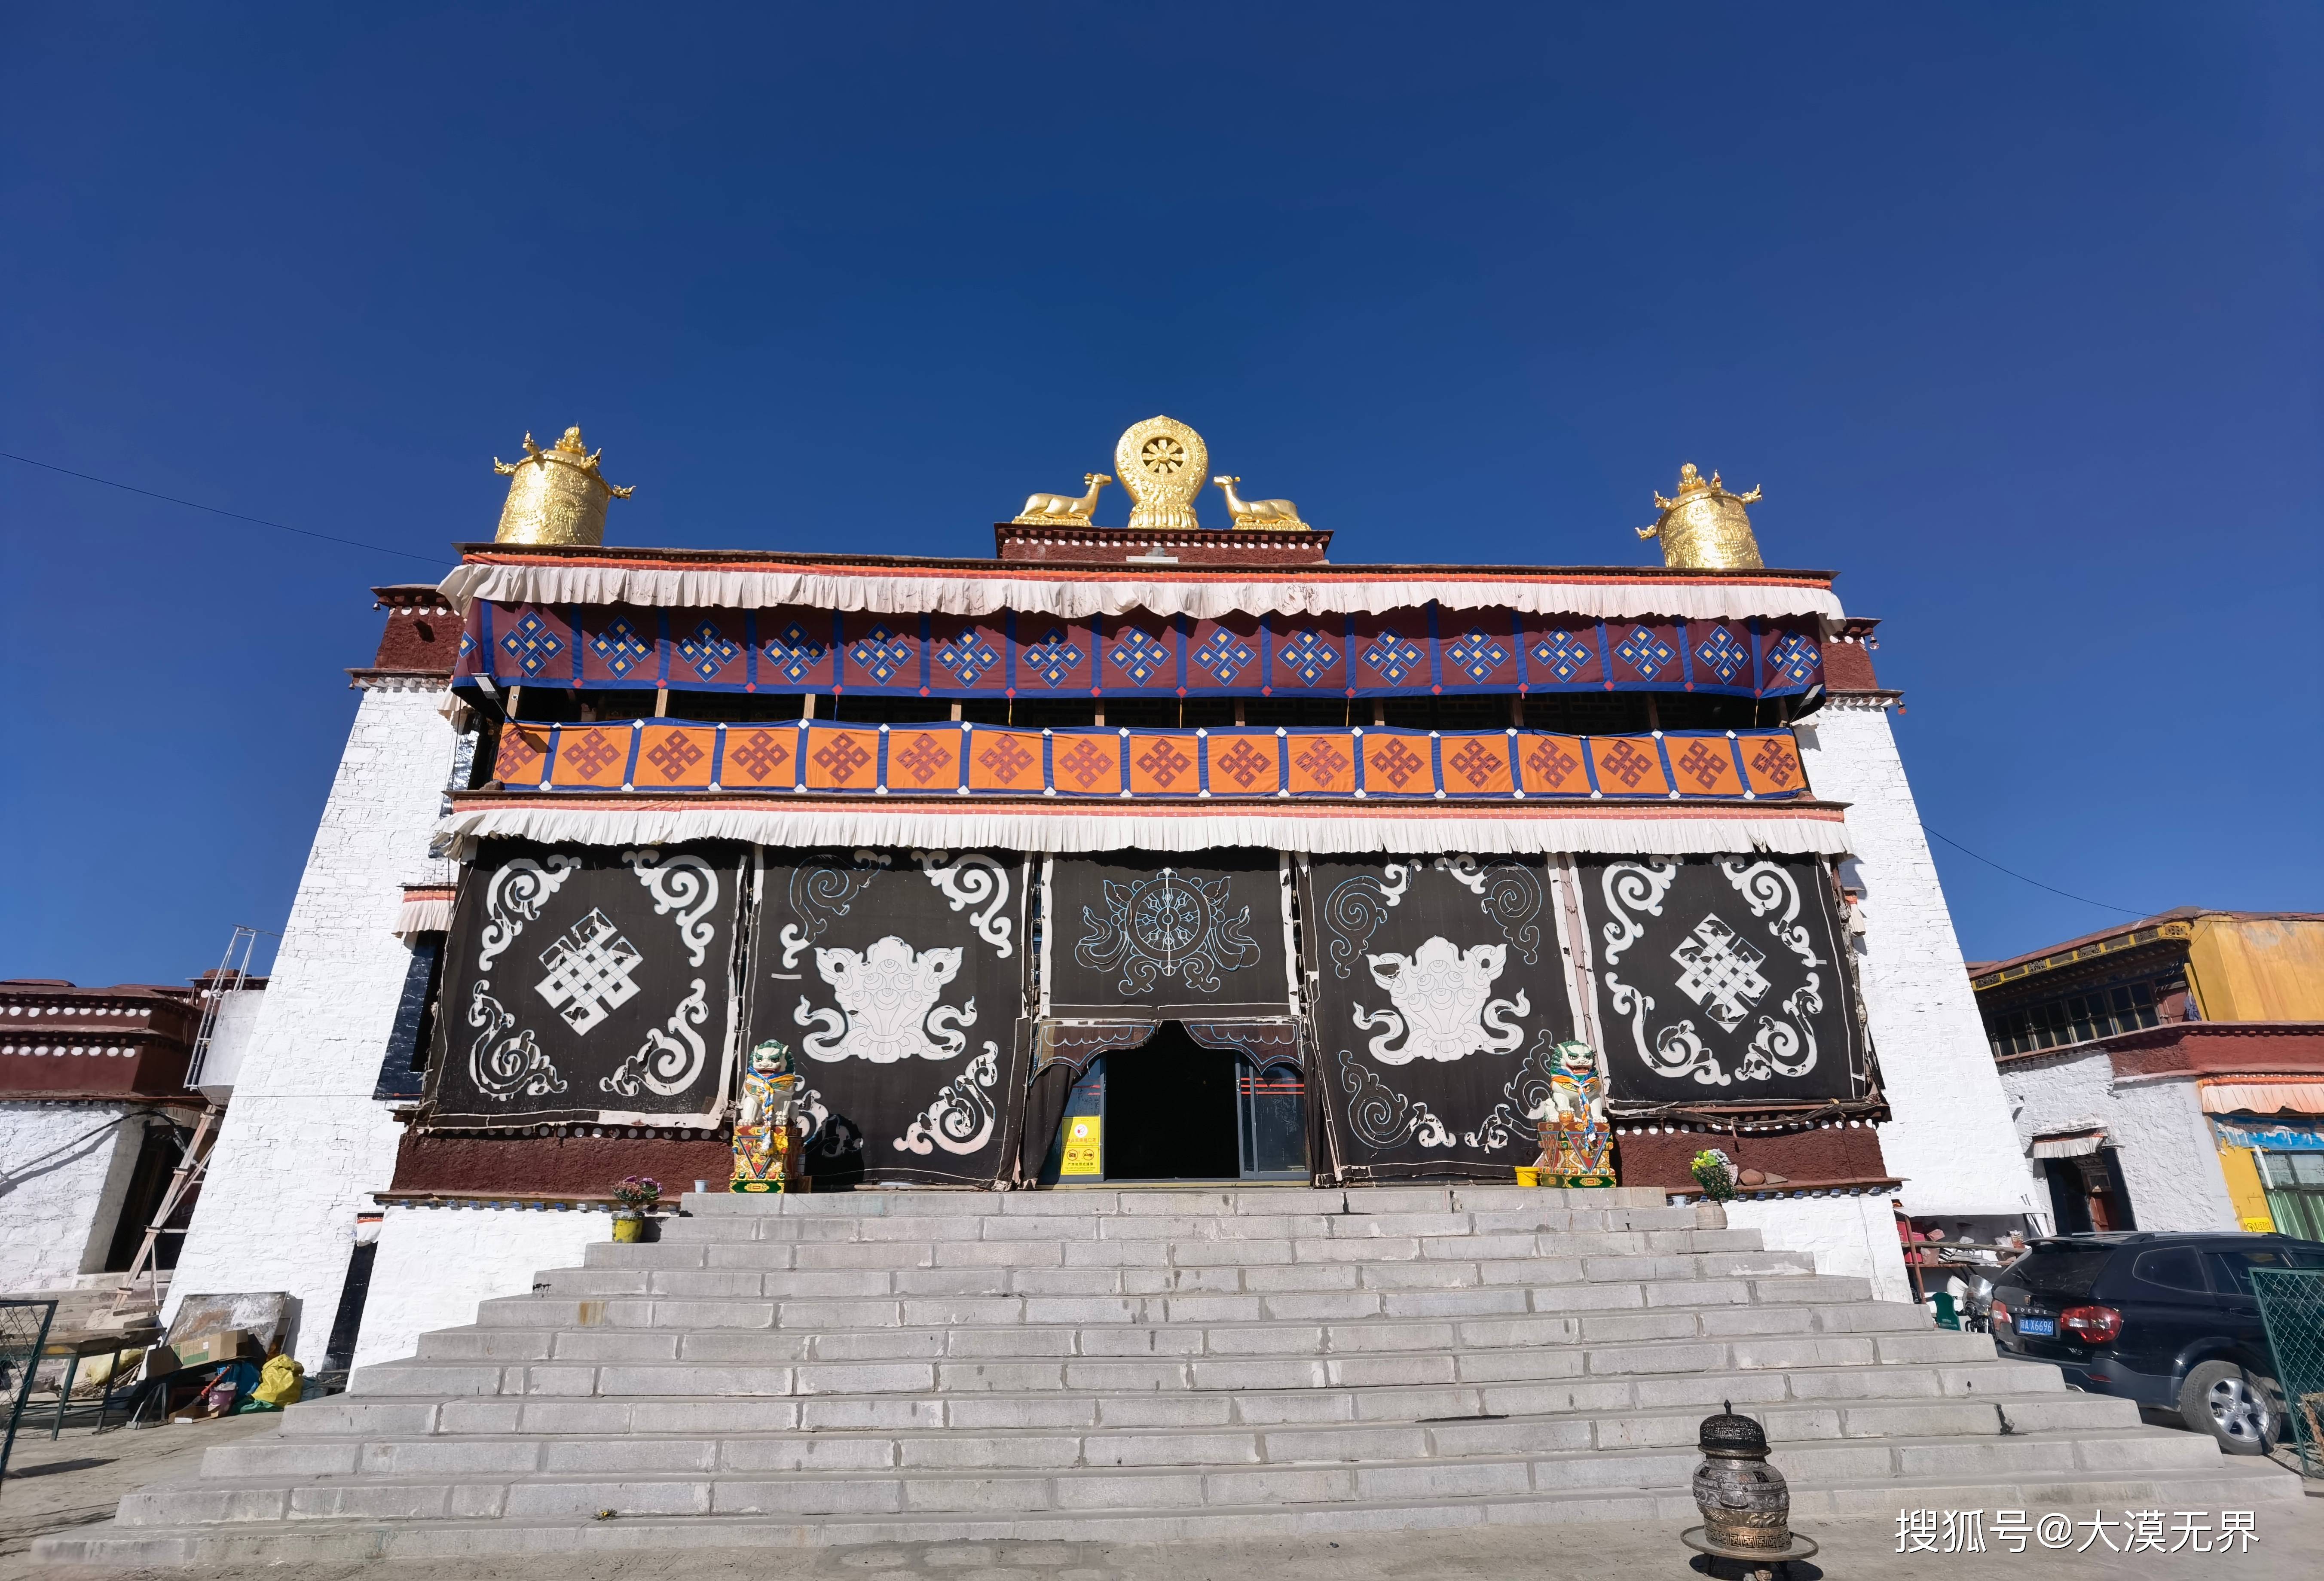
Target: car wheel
{"x":2235,"y":1406}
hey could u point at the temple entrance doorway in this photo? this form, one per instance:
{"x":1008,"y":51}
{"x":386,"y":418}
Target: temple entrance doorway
{"x":1171,"y":1109}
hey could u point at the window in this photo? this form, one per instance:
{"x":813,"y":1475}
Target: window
{"x":2092,"y":1013}
{"x":2061,"y":1272}
{"x":2235,"y":1267}
{"x":2171,"y":1268}
{"x":2294,"y":1184}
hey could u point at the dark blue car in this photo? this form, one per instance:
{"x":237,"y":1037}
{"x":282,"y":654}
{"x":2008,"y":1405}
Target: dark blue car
{"x":2165,"y":1319}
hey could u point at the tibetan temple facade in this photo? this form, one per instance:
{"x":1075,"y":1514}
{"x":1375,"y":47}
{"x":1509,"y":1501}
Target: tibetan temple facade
{"x":1126,"y":854}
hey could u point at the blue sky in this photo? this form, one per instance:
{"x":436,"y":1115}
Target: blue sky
{"x":2012,"y":310}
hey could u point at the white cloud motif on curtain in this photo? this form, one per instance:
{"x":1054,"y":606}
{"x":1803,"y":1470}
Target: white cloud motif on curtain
{"x":1443,"y":1003}
{"x":972,"y":880}
{"x":672,"y":1054}
{"x":888,"y":1009}
{"x":961,"y":1120}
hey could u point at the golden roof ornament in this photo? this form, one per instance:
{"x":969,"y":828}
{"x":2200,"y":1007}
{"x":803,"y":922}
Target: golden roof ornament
{"x":1705,"y":527}
{"x":1162,"y":463}
{"x":1274,"y":515}
{"x":556,"y":496}
{"x":1066,"y":510}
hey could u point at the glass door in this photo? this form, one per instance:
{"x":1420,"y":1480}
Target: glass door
{"x":1271,"y":1119}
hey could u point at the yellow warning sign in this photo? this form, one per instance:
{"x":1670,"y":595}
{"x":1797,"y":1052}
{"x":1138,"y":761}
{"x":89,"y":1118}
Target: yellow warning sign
{"x":1083,"y":1154}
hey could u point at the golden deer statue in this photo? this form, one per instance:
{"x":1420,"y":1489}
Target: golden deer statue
{"x":1267,"y":513}
{"x":1040,"y":507}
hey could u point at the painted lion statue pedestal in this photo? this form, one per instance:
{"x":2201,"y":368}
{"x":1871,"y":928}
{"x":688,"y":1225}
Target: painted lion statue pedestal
{"x":766,"y":1141}
{"x":1577,"y":1142}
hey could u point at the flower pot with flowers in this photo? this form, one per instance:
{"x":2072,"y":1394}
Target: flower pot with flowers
{"x":634,"y":1198}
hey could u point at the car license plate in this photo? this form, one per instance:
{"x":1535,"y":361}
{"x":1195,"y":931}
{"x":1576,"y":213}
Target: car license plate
{"x":2037,"y":1325}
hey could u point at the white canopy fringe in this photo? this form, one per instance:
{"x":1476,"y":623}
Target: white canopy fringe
{"x":889,"y":593}
{"x":975,"y":828}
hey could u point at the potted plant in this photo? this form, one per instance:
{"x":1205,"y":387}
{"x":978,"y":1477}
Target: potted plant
{"x":636,"y":1196}
{"x":1714,"y":1175}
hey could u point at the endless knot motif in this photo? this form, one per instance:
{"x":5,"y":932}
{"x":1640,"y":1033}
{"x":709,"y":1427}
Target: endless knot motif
{"x":1324,"y":760}
{"x":1307,"y":656}
{"x":1087,"y":763}
{"x":674,"y":754}
{"x":1773,"y":766}
{"x":1007,"y":758}
{"x":1225,"y":656}
{"x":1395,"y":763}
{"x":707,"y":650}
{"x":1476,"y":763}
{"x":1163,"y":763}
{"x":1138,"y":655}
{"x":968,"y":656}
{"x":589,"y":972}
{"x":619,"y":646}
{"x":1720,"y":971}
{"x":923,"y":758}
{"x":1477,"y":655}
{"x":1549,"y":764}
{"x":1563,"y":655}
{"x":794,"y":652}
{"x":1243,"y":763}
{"x":532,"y":644}
{"x":521,"y":753}
{"x":881,"y":654}
{"x":1722,"y":656}
{"x":1054,"y":659}
{"x":1394,"y":656}
{"x":1645,"y":653}
{"x":842,"y":757}
{"x":1794,"y":658}
{"x":761,"y":754}
{"x":591,"y":754}
{"x":1626,"y":763}
{"x":1702,"y":763}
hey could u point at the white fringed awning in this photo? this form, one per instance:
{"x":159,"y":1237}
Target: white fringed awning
{"x":892,"y":591}
{"x":1698,"y":832}
{"x":425,"y":910}
{"x":2264,"y":1095}
{"x":2070,"y":1144}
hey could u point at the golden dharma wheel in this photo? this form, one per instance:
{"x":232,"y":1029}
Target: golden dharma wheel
{"x":556,"y":496}
{"x":1164,"y":464}
{"x":1705,"y":527}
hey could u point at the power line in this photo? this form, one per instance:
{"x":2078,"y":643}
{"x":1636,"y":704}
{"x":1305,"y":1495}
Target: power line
{"x":2037,"y":883}
{"x":214,"y":511}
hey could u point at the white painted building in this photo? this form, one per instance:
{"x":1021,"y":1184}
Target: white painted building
{"x":314,"y":1146}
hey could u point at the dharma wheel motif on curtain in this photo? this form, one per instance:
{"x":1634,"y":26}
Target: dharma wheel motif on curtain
{"x":1136,"y":935}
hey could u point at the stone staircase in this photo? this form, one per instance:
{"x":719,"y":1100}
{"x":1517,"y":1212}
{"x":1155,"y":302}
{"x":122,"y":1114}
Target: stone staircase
{"x":1126,"y":1365}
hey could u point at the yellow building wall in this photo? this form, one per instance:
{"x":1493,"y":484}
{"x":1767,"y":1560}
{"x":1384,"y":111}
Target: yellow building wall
{"x":2241,"y":1168}
{"x":2258,"y":968}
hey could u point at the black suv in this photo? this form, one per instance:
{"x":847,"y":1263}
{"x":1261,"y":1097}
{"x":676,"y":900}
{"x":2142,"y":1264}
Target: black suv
{"x":2166,"y":1321}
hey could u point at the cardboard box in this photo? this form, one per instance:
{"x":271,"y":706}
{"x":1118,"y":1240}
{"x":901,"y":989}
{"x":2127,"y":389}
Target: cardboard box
{"x":219,"y":1345}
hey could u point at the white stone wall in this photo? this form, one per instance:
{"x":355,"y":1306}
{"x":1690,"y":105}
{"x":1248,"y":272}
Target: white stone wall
{"x":1950,"y":1140}
{"x":2163,"y":1144}
{"x":1851,"y":1236}
{"x":304,"y":1144}
{"x":63,"y":1199}
{"x":435,"y":1264}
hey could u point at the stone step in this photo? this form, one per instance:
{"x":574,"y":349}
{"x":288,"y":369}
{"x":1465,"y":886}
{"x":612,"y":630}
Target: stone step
{"x":1473,"y":1353}
{"x":734,"y":1228}
{"x":392,"y":1417}
{"x":826,"y":1315}
{"x":2223,"y":1482}
{"x":1045,"y":1280}
{"x":508,"y":1344}
{"x":1206,"y":1203}
{"x":612,"y":1267}
{"x":1190,"y":1470}
{"x":1542,"y":1421}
